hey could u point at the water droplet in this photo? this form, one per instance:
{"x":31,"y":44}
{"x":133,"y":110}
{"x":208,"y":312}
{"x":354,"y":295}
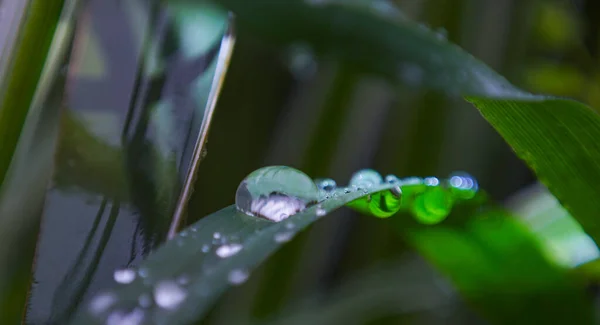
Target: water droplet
{"x":135,"y":317}
{"x":217,"y":235}
{"x":392,"y":179}
{"x":441,"y":34}
{"x":431,"y":181}
{"x":411,"y":74}
{"x":143,"y":272}
{"x":320,"y":212}
{"x":124,"y":276}
{"x":205,"y":248}
{"x":290,"y":225}
{"x":463,"y":186}
{"x":226,"y":251}
{"x":276,"y":193}
{"x":396,"y":191}
{"x":183,"y":233}
{"x":101,"y":302}
{"x":326,"y":184}
{"x":366,"y":178}
{"x":144,"y":300}
{"x":411,"y":181}
{"x":283,"y":237}
{"x":432,"y":206}
{"x":237,"y":277}
{"x":168,"y":295}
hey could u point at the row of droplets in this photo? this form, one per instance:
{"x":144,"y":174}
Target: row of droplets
{"x":277,"y":192}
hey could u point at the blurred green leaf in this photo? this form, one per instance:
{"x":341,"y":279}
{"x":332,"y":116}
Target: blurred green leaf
{"x":29,"y":118}
{"x":24,"y":70}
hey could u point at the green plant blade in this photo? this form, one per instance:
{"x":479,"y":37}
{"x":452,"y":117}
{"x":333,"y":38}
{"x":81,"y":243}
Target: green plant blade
{"x":187,"y":274}
{"x":556,"y":137}
{"x":118,"y":171}
{"x":204,"y":275}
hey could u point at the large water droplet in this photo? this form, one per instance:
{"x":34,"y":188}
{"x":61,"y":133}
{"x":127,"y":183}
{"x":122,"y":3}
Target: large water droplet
{"x":237,"y":277}
{"x":124,"y":276}
{"x":366,"y":178}
{"x":168,"y":295}
{"x":276,"y":193}
{"x":226,"y":251}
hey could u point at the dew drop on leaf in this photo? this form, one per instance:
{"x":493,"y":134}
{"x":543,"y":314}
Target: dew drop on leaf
{"x":237,"y":276}
{"x":392,"y":179}
{"x":102,"y":302}
{"x":275,"y":193}
{"x":124,"y":276}
{"x":134,"y":317}
{"x":366,"y":178}
{"x":431,"y":181}
{"x":226,"y":251}
{"x":320,"y":212}
{"x":283,"y":237}
{"x":168,"y":295}
{"x":326,"y":184}
{"x":463,"y":185}
{"x":432,"y":206}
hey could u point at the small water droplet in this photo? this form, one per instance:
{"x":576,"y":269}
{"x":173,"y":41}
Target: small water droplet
{"x":283,"y":237}
{"x":346,"y":190}
{"x":124,"y":276}
{"x":463,"y":185}
{"x":205,"y":248}
{"x":168,"y":295}
{"x":276,"y":193}
{"x":217,"y":235}
{"x":183,"y":233}
{"x":441,"y":34}
{"x":366,"y":178}
{"x":101,"y":302}
{"x":326,"y":184}
{"x":135,"y":317}
{"x":411,"y":181}
{"x":290,"y":225}
{"x":396,"y":191}
{"x":320,"y":212}
{"x":237,"y":276}
{"x":143,"y":272}
{"x":431,"y":181}
{"x":226,"y":251}
{"x":144,"y":300}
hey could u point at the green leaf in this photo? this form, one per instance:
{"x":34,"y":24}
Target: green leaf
{"x":202,"y":276}
{"x":28,"y":129}
{"x":556,"y":137}
{"x":186,"y":275}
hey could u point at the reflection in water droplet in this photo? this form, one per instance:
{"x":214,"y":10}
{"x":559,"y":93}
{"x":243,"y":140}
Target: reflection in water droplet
{"x":326,"y":184}
{"x":283,"y":237}
{"x":101,"y":302}
{"x":237,"y":277}
{"x":169,"y":295}
{"x":226,"y":251}
{"x":366,"y":178}
{"x":124,"y":276}
{"x":276,"y":193}
{"x":144,"y":300}
{"x":320,"y":212}
{"x":392,"y":179}
{"x":135,"y":317}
